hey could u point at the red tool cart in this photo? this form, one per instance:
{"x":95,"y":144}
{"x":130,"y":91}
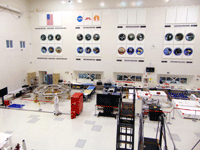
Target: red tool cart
{"x":76,"y":104}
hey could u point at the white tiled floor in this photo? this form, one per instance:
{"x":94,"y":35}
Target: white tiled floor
{"x":44,"y":131}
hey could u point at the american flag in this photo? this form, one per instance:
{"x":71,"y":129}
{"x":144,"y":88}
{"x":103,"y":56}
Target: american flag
{"x":49,"y":19}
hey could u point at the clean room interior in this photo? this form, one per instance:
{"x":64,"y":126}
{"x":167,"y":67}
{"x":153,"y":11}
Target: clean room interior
{"x":111,"y":46}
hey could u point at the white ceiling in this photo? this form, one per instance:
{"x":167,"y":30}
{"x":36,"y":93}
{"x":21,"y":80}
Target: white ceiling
{"x":56,"y":5}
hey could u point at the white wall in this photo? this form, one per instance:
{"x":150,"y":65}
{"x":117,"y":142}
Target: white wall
{"x":109,"y":33}
{"x":14,"y":63}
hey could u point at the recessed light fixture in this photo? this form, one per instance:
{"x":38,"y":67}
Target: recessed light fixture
{"x":63,"y":2}
{"x":133,"y":3}
{"x":79,"y":1}
{"x":166,"y":1}
{"x":102,"y":4}
{"x":123,"y":4}
{"x":139,"y":3}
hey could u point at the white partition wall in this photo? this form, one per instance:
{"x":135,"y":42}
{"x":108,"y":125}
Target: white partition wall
{"x":171,"y":15}
{"x":123,"y":17}
{"x":181,"y":15}
{"x":72,"y":19}
{"x":132,"y":16}
{"x":192,"y":14}
{"x":106,"y":25}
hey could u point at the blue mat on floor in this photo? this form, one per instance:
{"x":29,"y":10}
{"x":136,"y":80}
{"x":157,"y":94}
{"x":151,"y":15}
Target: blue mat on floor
{"x":16,"y":106}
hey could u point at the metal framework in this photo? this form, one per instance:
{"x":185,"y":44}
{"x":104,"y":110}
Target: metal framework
{"x":126,"y":124}
{"x":154,"y":143}
{"x":48,"y":91}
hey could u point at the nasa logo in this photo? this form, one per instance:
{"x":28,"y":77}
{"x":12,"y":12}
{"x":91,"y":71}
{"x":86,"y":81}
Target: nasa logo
{"x":96,"y":18}
{"x":88,"y":18}
{"x":79,"y":18}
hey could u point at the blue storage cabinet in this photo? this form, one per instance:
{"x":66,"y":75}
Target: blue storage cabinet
{"x":49,"y":79}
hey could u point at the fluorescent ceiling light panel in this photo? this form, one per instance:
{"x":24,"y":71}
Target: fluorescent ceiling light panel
{"x":63,"y":2}
{"x":123,"y":4}
{"x":102,"y":4}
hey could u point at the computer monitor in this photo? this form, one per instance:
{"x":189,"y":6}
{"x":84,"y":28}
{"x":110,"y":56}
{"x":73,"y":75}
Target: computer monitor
{"x":150,"y":69}
{"x":3,"y":92}
{"x":108,"y":84}
{"x":111,"y":100}
{"x":99,"y":83}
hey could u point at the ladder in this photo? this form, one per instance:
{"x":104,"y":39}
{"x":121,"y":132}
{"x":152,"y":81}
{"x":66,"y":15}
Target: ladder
{"x":126,"y":124}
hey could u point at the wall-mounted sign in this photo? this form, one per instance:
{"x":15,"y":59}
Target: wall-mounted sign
{"x":130,"y":50}
{"x":122,"y":37}
{"x":88,"y":50}
{"x":140,"y":37}
{"x":79,"y":37}
{"x":189,"y":37}
{"x":131,"y":37}
{"x":179,"y":36}
{"x":43,"y":49}
{"x":51,"y":49}
{"x":139,"y":51}
{"x":167,"y":51}
{"x":188,"y":51}
{"x":168,"y":37}
{"x":121,"y":50}
{"x":96,"y":50}
{"x":43,"y":37}
{"x":96,"y":37}
{"x":80,"y":50}
{"x":178,"y":51}
{"x":88,"y":37}
{"x":58,"y":37}
{"x":50,"y":37}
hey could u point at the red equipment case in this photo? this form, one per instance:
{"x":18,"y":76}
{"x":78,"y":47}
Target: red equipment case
{"x":76,"y":104}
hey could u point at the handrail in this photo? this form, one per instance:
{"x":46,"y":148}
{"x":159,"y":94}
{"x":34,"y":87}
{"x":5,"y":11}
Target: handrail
{"x":171,"y":136}
{"x":141,"y":134}
{"x":195,"y":145}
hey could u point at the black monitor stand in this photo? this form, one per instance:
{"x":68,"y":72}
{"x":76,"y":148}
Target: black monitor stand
{"x":107,"y":112}
{"x":3,"y":104}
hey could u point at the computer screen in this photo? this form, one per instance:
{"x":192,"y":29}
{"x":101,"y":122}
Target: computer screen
{"x":150,"y":69}
{"x":3,"y":91}
{"x":108,"y":100}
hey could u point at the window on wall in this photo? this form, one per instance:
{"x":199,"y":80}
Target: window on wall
{"x":173,"y":80}
{"x":22,"y":44}
{"x":9,"y":44}
{"x":129,"y":78}
{"x":139,"y":78}
{"x":89,"y":76}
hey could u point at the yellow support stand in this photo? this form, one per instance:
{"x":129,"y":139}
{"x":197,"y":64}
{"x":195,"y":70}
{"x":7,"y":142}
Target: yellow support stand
{"x":69,"y":97}
{"x":36,"y":98}
{"x":126,"y":94}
